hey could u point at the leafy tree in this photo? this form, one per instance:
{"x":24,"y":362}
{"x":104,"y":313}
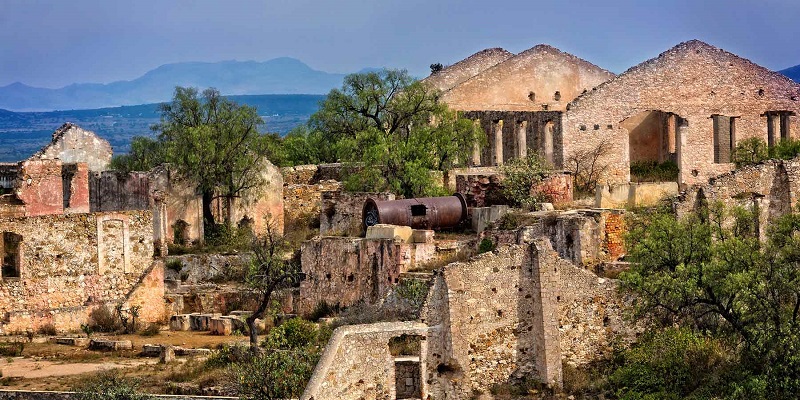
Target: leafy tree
{"x":145,"y":154}
{"x":392,"y":131}
{"x":214,"y":142}
{"x":712,"y":273}
{"x":269,"y":271}
{"x":436,"y":68}
{"x":521,"y":175}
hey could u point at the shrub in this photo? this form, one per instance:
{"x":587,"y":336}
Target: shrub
{"x":485,"y":246}
{"x":750,"y":151}
{"x":521,"y":175}
{"x":414,"y":291}
{"x":102,"y":319}
{"x":109,"y":385}
{"x":11,"y":349}
{"x":786,"y":149}
{"x":277,"y":374}
{"x":151,"y":330}
{"x":651,"y":171}
{"x":47,"y":329}
{"x":323,"y":310}
{"x":292,"y":334}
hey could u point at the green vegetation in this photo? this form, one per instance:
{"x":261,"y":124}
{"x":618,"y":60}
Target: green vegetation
{"x":754,"y":150}
{"x":520,"y":176}
{"x":391,"y":130}
{"x":109,"y":385}
{"x":734,"y":298}
{"x":651,"y":171}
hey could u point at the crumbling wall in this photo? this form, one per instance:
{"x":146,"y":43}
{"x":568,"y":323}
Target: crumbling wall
{"x":694,"y":81}
{"x":341,"y":212}
{"x":302,"y":203}
{"x":72,"y":144}
{"x":75,"y":188}
{"x":259,"y":207}
{"x":770,"y":188}
{"x":40,"y":187}
{"x":455,"y":74}
{"x":486,"y":189}
{"x":177,"y":208}
{"x":345,"y":270}
{"x":358,"y":364}
{"x":68,"y":263}
{"x":119,"y":191}
{"x":540,"y":131}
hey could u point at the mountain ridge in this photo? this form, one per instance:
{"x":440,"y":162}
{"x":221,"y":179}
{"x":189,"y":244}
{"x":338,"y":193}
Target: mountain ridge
{"x":283,"y":75}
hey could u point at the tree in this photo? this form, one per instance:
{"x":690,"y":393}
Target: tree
{"x":711,"y":272}
{"x":109,"y":385}
{"x":588,"y":166}
{"x":215,"y":143}
{"x":270,"y":270}
{"x":436,"y":68}
{"x":392,"y":130}
{"x":520,"y":177}
{"x":145,"y":154}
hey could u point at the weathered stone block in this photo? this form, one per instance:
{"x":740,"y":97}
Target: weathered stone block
{"x":110,"y":345}
{"x":70,"y":341}
{"x":180,"y":322}
{"x":385,"y":231}
{"x":220,"y":326}
{"x":422,"y":236}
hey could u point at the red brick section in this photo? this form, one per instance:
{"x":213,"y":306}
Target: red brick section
{"x":41,"y":187}
{"x":479,"y":190}
{"x":79,"y":189}
{"x":615,"y":235}
{"x":557,"y":187}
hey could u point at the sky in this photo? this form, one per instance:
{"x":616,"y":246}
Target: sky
{"x":55,"y":43}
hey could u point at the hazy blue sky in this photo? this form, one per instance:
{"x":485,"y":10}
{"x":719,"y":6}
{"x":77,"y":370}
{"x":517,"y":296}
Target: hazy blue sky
{"x":54,"y":43}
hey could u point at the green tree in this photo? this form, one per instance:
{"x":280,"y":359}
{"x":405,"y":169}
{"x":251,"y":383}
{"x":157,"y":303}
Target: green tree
{"x":214,"y":142}
{"x":392,"y":130}
{"x":269,"y":271}
{"x":750,"y":151}
{"x":145,"y":153}
{"x":711,"y":272}
{"x":521,"y":175}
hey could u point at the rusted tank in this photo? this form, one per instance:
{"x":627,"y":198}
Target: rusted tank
{"x":418,"y":213}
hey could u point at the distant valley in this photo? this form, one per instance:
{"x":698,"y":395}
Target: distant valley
{"x":23,"y":133}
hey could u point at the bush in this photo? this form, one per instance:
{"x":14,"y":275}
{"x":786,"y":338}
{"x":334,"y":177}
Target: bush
{"x":292,"y":334}
{"x":102,"y":319}
{"x":674,"y":363}
{"x":108,"y":385}
{"x":151,"y":330}
{"x":651,"y":171}
{"x":786,"y":149}
{"x":414,"y":291}
{"x":521,"y":176}
{"x":11,"y":349}
{"x":277,"y":374}
{"x":47,"y":329}
{"x":323,"y":310}
{"x":750,"y":151}
{"x":485,"y":246}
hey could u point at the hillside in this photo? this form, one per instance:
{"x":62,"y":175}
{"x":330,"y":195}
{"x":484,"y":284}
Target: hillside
{"x":793,"y":73}
{"x":277,"y":76}
{"x":23,"y":133}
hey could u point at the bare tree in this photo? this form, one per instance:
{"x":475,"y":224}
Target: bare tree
{"x":588,"y":166}
{"x":272,"y":269}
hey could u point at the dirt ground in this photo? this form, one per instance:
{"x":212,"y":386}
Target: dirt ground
{"x":47,"y":366}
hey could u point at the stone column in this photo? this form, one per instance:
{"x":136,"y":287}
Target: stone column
{"x":548,"y":142}
{"x":671,"y":133}
{"x":498,"y":142}
{"x":547,"y":339}
{"x":682,"y":133}
{"x":771,"y":129}
{"x":522,"y":139}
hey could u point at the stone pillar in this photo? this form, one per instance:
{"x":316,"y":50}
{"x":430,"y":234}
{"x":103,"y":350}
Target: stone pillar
{"x":682,"y":134}
{"x":547,"y":340}
{"x":498,"y":142}
{"x":771,"y":122}
{"x":548,"y":142}
{"x":522,"y":139}
{"x":671,"y":133}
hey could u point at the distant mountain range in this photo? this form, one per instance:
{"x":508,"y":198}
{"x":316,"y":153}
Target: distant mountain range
{"x":793,"y":73}
{"x":277,"y":76}
{"x":23,"y":133}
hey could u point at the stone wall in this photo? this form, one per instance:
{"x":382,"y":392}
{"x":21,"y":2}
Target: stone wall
{"x":67,"y":263}
{"x":341,"y":212}
{"x":461,"y":71}
{"x":177,"y":208}
{"x":43,"y":395}
{"x":358,"y":364}
{"x":514,"y":134}
{"x":40,"y":187}
{"x":541,"y":78}
{"x":687,"y":86}
{"x":302,"y":203}
{"x":486,"y":189}
{"x":634,"y":194}
{"x":259,"y":207}
{"x":344,"y":271}
{"x":72,"y":144}
{"x":771,"y":189}
{"x":119,"y":191}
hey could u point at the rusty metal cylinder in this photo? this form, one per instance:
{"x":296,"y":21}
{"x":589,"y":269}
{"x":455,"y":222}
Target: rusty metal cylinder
{"x":418,"y":213}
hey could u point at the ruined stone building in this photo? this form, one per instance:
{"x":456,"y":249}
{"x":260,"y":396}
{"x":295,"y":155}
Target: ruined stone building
{"x":691,"y":105}
{"x":517,"y":99}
